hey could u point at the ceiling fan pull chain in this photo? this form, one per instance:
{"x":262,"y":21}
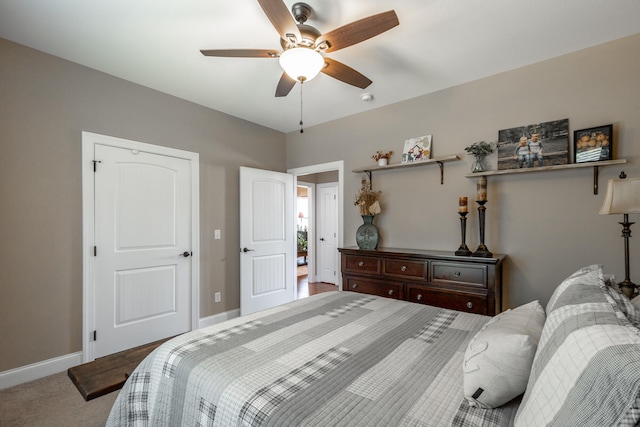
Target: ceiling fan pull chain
{"x":301,"y":83}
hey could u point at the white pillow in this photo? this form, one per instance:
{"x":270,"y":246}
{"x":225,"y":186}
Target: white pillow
{"x":498,"y":359}
{"x":636,"y":301}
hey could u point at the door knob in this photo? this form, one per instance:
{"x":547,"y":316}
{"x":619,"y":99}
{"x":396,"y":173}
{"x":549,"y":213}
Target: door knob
{"x":247,"y":250}
{"x":186,"y":254}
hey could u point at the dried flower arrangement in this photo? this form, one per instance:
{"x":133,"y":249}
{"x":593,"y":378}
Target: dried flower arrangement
{"x":380,"y":155}
{"x":481,"y":148}
{"x":367,"y":200}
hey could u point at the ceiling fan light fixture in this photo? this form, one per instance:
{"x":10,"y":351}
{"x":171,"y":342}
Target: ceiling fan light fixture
{"x":301,"y":63}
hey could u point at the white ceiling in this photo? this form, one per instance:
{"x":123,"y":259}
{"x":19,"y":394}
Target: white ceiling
{"x":438,"y":44}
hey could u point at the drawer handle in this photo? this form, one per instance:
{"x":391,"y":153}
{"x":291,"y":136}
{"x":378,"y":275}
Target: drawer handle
{"x":469,"y":304}
{"x":419,"y":297}
{"x":390,"y":292}
{"x":355,"y":285}
{"x":361,"y":264}
{"x":457,"y":274}
{"x":403,"y":268}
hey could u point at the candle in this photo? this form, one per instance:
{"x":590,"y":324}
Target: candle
{"x":482,"y":189}
{"x":462,"y":204}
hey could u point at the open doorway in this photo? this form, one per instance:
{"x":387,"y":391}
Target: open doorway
{"x":318,"y":227}
{"x":304,"y":206}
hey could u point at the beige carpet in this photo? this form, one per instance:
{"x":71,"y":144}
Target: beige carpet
{"x":52,"y":401}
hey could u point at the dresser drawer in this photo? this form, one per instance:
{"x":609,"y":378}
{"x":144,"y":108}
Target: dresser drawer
{"x":437,"y":278}
{"x":405,"y":268}
{"x":374,"y":287}
{"x":449,"y":273}
{"x":362,"y":264}
{"x":460,"y":301}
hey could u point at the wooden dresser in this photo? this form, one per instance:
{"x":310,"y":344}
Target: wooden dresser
{"x":436,"y":278}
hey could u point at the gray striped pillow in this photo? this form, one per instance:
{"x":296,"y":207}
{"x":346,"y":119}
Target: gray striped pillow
{"x":586,"y":371}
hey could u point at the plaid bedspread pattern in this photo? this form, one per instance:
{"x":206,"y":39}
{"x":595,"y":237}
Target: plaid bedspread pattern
{"x":178,"y":352}
{"x":334,"y":359}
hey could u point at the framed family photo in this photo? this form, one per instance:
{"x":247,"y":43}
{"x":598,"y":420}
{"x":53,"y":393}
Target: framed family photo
{"x":534,"y":145}
{"x":593,"y":144}
{"x":416,"y":149}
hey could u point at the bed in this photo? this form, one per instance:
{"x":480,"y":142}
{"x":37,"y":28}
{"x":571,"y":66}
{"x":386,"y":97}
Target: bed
{"x":351,"y":359}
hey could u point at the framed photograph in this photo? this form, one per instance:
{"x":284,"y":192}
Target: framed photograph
{"x":416,"y":149}
{"x":593,"y":145}
{"x":533,"y":146}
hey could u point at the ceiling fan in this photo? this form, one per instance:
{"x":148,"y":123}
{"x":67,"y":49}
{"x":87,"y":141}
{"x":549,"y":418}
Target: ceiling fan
{"x":303,"y":44}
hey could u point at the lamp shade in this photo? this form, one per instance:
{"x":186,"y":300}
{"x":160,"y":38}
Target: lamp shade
{"x":623,"y":197}
{"x":301,"y":63}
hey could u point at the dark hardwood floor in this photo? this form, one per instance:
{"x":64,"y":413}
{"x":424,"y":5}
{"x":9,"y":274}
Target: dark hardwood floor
{"x":306,"y":289}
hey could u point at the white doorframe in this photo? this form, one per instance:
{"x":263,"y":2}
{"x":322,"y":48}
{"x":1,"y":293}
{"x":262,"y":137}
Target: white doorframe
{"x":89,"y":140}
{"x":328,"y":167}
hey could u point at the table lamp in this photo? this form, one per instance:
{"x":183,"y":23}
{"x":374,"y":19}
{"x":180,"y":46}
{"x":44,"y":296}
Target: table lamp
{"x":623,"y":197}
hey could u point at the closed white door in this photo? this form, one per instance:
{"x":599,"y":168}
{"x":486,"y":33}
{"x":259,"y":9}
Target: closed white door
{"x":267,"y":243}
{"x":143,"y":248}
{"x":327,"y":232}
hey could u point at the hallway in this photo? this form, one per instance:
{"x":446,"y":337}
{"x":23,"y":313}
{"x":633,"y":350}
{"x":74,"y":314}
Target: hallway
{"x":306,"y":289}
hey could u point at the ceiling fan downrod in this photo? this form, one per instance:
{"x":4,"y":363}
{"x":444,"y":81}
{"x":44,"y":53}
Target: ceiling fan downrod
{"x":301,"y":84}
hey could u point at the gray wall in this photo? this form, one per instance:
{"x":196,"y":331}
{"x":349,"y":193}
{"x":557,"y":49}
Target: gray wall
{"x":45,"y":104}
{"x":547,"y":222}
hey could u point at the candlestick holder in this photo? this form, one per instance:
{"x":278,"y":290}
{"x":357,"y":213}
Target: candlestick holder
{"x":463,"y":250}
{"x":482,"y":250}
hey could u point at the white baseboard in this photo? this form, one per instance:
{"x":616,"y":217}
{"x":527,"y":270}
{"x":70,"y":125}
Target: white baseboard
{"x":45,"y":368}
{"x":39,"y":370}
{"x":218,"y":318}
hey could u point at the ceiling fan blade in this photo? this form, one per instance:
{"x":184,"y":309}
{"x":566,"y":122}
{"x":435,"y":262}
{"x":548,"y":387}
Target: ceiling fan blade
{"x":344,"y":73}
{"x":285,"y":85}
{"x":242,"y":53}
{"x":358,"y":31}
{"x":281,"y":19}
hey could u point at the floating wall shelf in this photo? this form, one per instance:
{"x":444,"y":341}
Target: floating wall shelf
{"x":436,"y":160}
{"x":594,"y":165}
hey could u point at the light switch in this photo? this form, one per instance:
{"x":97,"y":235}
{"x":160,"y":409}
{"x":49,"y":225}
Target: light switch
{"x":216,"y":234}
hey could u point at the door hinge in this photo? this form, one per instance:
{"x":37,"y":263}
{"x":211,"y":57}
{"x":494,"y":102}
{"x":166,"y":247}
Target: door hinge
{"x":95,"y":251}
{"x":95,"y":335}
{"x":94,"y":164}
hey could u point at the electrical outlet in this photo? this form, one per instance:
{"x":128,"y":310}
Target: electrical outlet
{"x":217,"y":297}
{"x":216,"y":234}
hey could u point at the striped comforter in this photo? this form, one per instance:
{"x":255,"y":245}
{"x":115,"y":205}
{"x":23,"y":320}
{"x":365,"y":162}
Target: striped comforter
{"x":334,"y":359}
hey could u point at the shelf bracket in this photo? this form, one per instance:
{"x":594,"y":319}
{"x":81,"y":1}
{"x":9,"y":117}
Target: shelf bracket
{"x":441,"y":172}
{"x":370,"y":175}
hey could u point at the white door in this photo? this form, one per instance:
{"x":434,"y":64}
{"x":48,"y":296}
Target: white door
{"x":327,"y":232}
{"x":143,"y":248}
{"x":267,"y":243}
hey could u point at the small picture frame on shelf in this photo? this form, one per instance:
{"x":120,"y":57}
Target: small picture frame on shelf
{"x":416,"y":149}
{"x":593,"y":144}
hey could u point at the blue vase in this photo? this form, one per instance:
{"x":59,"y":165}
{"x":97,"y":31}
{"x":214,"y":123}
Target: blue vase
{"x":367,"y":236}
